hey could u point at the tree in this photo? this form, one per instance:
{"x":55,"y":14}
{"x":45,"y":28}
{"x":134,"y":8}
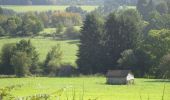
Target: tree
{"x":165,"y":20}
{"x":53,"y":60}
{"x":74,"y":9}
{"x":122,"y":32}
{"x":165,"y":66}
{"x":31,"y":25}
{"x":154,"y":22}
{"x":11,"y":53}
{"x":22,"y":63}
{"x":2,"y":32}
{"x":143,"y":63}
{"x":44,"y":18}
{"x":156,"y":44}
{"x":72,"y":33}
{"x":26,"y":25}
{"x":141,"y":7}
{"x":158,"y":22}
{"x":6,"y":55}
{"x":59,"y":30}
{"x":66,"y":19}
{"x":111,"y":5}
{"x":89,"y":54}
{"x":145,"y":8}
{"x":168,"y":4}
{"x":149,"y":9}
{"x":11,"y":25}
{"x":150,"y":6}
{"x":27,"y":47}
{"x":162,"y":8}
{"x":1,"y":11}
{"x":127,"y":60}
{"x":136,"y":60}
{"x":3,"y":19}
{"x":34,"y":68}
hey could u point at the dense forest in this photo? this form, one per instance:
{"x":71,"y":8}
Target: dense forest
{"x":127,"y":39}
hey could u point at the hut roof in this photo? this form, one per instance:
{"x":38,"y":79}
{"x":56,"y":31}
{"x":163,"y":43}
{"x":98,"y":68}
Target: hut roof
{"x":117,"y":73}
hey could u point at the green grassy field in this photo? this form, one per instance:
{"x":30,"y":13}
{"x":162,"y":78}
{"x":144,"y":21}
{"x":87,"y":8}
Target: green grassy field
{"x":69,"y":47}
{"x":52,"y":30}
{"x":93,"y":87}
{"x":43,"y":8}
{"x":48,"y":30}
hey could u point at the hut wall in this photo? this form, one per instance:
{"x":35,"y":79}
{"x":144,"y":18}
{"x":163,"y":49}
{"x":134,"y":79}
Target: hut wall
{"x":112,"y":80}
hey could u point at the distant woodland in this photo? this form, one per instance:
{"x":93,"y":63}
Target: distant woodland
{"x":64,"y":2}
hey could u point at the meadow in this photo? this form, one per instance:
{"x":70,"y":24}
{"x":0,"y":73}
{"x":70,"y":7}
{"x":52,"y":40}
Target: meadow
{"x":53,"y":30}
{"x":44,"y":8}
{"x":43,"y":45}
{"x":90,"y":88}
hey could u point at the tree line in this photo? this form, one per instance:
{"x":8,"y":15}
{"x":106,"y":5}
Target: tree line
{"x":127,"y":39}
{"x":50,"y":2}
{"x":26,"y":25}
{"x":31,"y":23}
{"x":113,"y":5}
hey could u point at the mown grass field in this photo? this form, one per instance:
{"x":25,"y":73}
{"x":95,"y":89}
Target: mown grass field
{"x":93,"y":87}
{"x":43,"y":8}
{"x":43,"y":45}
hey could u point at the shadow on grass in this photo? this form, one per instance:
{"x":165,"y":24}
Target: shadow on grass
{"x":159,"y":80}
{"x":74,"y":42}
{"x":106,"y":84}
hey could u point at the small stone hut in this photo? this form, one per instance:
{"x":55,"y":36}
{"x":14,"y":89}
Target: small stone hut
{"x":119,"y":77}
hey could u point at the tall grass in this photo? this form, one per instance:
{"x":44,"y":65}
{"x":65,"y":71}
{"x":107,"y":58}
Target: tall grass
{"x":163,"y":93}
{"x":5,"y":92}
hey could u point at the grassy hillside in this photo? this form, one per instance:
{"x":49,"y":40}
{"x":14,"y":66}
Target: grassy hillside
{"x":69,"y":47}
{"x":93,"y":87}
{"x":44,"y":8}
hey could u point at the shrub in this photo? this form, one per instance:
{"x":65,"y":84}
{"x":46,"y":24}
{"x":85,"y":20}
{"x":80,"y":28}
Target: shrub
{"x":21,"y":62}
{"x":165,"y":66}
{"x":127,"y":59}
{"x":53,"y":60}
{"x":71,"y":33}
{"x":27,"y":47}
{"x":2,"y":31}
{"x":6,"y":55}
{"x":67,"y":70}
{"x":20,"y":59}
{"x":7,"y":76}
{"x":137,"y":61}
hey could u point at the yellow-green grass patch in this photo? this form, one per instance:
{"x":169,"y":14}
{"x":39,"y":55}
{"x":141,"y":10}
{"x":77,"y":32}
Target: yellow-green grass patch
{"x":43,"y":8}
